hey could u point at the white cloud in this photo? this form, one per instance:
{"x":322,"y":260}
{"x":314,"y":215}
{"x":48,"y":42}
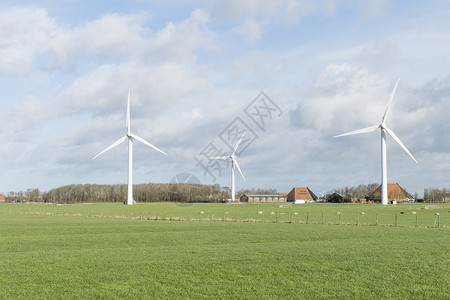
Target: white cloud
{"x":24,"y":33}
{"x":343,"y":96}
{"x":111,"y":35}
{"x":254,"y":16}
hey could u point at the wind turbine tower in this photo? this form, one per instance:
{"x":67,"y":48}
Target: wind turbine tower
{"x":130,"y":136}
{"x":384,"y":129}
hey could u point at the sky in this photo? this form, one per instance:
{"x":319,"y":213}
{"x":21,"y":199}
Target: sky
{"x":291,"y":74}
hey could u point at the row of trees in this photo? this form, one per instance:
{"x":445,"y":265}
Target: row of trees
{"x":355,"y":194}
{"x":436,"y":195}
{"x":152,"y":192}
{"x":159,"y":192}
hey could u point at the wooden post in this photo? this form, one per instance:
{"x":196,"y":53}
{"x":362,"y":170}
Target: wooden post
{"x":307,"y":218}
{"x":417,"y":220}
{"x":291,"y":217}
{"x":395,"y":219}
{"x":377,"y":220}
{"x":357,"y":219}
{"x":323,"y":221}
{"x":276,"y":217}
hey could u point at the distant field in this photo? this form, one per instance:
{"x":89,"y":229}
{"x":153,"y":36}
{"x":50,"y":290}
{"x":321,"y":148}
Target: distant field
{"x":111,"y":251}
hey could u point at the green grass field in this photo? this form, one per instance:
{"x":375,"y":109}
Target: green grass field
{"x":111,"y":251}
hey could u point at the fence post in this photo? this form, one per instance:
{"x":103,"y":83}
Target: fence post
{"x":395,"y":219}
{"x":377,"y":220}
{"x":357,"y":219}
{"x":276,"y":217}
{"x":307,"y":218}
{"x":417,"y":220}
{"x":323,"y":222}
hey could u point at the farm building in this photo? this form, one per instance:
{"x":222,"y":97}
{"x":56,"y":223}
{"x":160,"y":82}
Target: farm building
{"x":2,"y":198}
{"x":301,"y":195}
{"x":395,"y":193}
{"x":335,"y":198}
{"x":262,"y":198}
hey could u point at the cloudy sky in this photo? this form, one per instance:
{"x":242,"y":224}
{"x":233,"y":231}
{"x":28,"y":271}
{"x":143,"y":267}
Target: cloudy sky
{"x":291,"y":73}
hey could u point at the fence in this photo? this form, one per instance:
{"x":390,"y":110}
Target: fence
{"x":437,"y":217}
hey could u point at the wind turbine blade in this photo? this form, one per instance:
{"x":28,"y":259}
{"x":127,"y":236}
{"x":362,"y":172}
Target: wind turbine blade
{"x":395,"y":137}
{"x":146,"y":143}
{"x":386,"y":113}
{"x":121,"y":140}
{"x":219,"y":157}
{"x":128,"y":112}
{"x":237,"y":145}
{"x":364,"y":130}
{"x":239,"y":169}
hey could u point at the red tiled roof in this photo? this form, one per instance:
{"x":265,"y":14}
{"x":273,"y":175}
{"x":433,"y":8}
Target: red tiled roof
{"x":395,"y":192}
{"x":301,"y":193}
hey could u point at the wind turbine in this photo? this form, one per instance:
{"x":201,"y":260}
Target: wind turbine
{"x":233,"y":163}
{"x":130,"y":136}
{"x":384,"y":129}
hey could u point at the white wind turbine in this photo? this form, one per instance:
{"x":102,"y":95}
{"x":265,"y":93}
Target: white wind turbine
{"x":130,"y":136}
{"x":384,"y":129}
{"x":233,"y":163}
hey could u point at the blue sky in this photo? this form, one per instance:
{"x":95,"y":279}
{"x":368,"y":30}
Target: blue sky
{"x":195,"y":70}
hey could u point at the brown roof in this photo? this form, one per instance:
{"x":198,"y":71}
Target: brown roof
{"x":395,"y":192}
{"x":301,"y":193}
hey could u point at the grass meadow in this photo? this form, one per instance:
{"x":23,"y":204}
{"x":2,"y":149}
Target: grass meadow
{"x":224,"y":251}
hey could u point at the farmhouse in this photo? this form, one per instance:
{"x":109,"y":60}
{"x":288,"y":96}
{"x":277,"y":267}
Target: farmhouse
{"x":301,"y":195}
{"x":2,"y":198}
{"x":262,"y":198}
{"x":395,"y":193}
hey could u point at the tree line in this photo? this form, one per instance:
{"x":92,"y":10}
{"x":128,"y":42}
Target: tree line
{"x":354,"y":194}
{"x":150,"y":192}
{"x":436,"y":195}
{"x":179,"y":192}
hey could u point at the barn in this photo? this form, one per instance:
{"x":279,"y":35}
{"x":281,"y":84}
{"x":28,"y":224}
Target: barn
{"x":301,"y":195}
{"x":395,"y":193}
{"x":335,"y":198}
{"x":262,"y":198}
